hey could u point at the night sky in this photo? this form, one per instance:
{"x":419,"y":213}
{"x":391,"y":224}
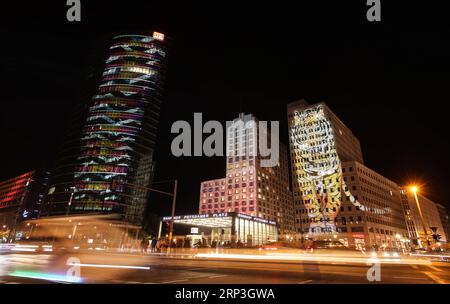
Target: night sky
{"x":388,"y":81}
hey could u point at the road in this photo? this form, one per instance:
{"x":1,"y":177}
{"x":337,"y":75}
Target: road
{"x":113,"y":268}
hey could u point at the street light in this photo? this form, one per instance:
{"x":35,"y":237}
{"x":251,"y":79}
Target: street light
{"x":70,"y":200}
{"x":414,"y":190}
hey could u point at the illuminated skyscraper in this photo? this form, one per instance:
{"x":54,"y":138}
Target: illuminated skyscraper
{"x":119,"y":135}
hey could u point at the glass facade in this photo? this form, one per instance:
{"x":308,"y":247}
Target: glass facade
{"x":253,"y":232}
{"x":238,"y":229}
{"x":120,"y":131}
{"x":20,"y":200}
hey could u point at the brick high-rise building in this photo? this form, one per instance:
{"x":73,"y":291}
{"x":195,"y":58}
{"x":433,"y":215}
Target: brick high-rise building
{"x":249,"y":187}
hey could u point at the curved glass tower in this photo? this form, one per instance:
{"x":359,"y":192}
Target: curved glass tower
{"x":119,"y":135}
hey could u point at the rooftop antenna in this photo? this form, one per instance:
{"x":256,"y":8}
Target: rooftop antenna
{"x":240,"y":105}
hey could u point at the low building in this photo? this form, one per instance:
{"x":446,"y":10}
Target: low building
{"x":431,"y":218}
{"x":221,"y":229}
{"x":375,"y":217}
{"x":445,"y":220}
{"x":370,"y":214}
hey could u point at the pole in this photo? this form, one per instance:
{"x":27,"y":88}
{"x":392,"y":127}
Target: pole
{"x":174,"y":201}
{"x":70,"y":203}
{"x":159,"y":230}
{"x":421,"y":218}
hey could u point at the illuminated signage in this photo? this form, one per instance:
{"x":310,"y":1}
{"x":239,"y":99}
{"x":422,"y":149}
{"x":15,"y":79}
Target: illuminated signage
{"x":195,"y":216}
{"x":218,"y":215}
{"x":358,"y":235}
{"x":256,"y":219}
{"x":245,"y":216}
{"x":158,"y":36}
{"x":194,"y":230}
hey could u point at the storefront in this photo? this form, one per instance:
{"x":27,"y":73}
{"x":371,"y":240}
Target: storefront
{"x":228,"y":228}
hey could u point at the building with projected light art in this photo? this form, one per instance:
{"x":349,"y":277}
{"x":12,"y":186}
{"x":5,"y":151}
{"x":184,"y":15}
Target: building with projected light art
{"x":119,"y":135}
{"x":316,"y":153}
{"x":336,"y":197}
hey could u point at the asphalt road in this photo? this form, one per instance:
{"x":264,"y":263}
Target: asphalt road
{"x":166,"y":270}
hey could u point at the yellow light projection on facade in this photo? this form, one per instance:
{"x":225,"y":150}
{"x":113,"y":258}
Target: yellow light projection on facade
{"x":317,"y":167}
{"x":318,"y":170}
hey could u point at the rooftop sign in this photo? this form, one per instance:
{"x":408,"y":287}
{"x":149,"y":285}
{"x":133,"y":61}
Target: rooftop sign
{"x":158,"y":36}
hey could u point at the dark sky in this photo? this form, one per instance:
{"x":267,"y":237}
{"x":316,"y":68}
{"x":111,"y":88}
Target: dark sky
{"x":387,"y":81}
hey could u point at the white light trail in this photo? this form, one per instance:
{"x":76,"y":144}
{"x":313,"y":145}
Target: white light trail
{"x":310,"y":258}
{"x":110,"y":266}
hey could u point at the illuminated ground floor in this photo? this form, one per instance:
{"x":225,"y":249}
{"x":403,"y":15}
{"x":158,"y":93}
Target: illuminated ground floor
{"x":92,"y":232}
{"x":359,"y":236}
{"x":219,"y":229}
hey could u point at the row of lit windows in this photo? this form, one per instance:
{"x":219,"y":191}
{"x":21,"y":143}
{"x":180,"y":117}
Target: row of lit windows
{"x":373,"y":176}
{"x":103,"y":169}
{"x":230,"y":192}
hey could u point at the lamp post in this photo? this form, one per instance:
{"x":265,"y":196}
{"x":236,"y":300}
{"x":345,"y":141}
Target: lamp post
{"x":414,"y":190}
{"x":70,"y":200}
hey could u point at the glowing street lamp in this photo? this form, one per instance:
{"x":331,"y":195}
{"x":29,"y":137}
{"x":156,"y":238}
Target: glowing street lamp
{"x":414,"y":190}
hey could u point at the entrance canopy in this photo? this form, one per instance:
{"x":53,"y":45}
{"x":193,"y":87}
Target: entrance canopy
{"x":218,"y":220}
{"x":215,"y":220}
{"x":227,"y":226}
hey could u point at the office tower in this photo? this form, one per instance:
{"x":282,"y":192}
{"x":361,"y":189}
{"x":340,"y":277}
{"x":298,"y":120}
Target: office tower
{"x":66,"y":161}
{"x":431,"y":218}
{"x":335,"y":196}
{"x":61,"y":181}
{"x":319,"y":142}
{"x":21,"y":198}
{"x":119,"y":134}
{"x":248,"y":187}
